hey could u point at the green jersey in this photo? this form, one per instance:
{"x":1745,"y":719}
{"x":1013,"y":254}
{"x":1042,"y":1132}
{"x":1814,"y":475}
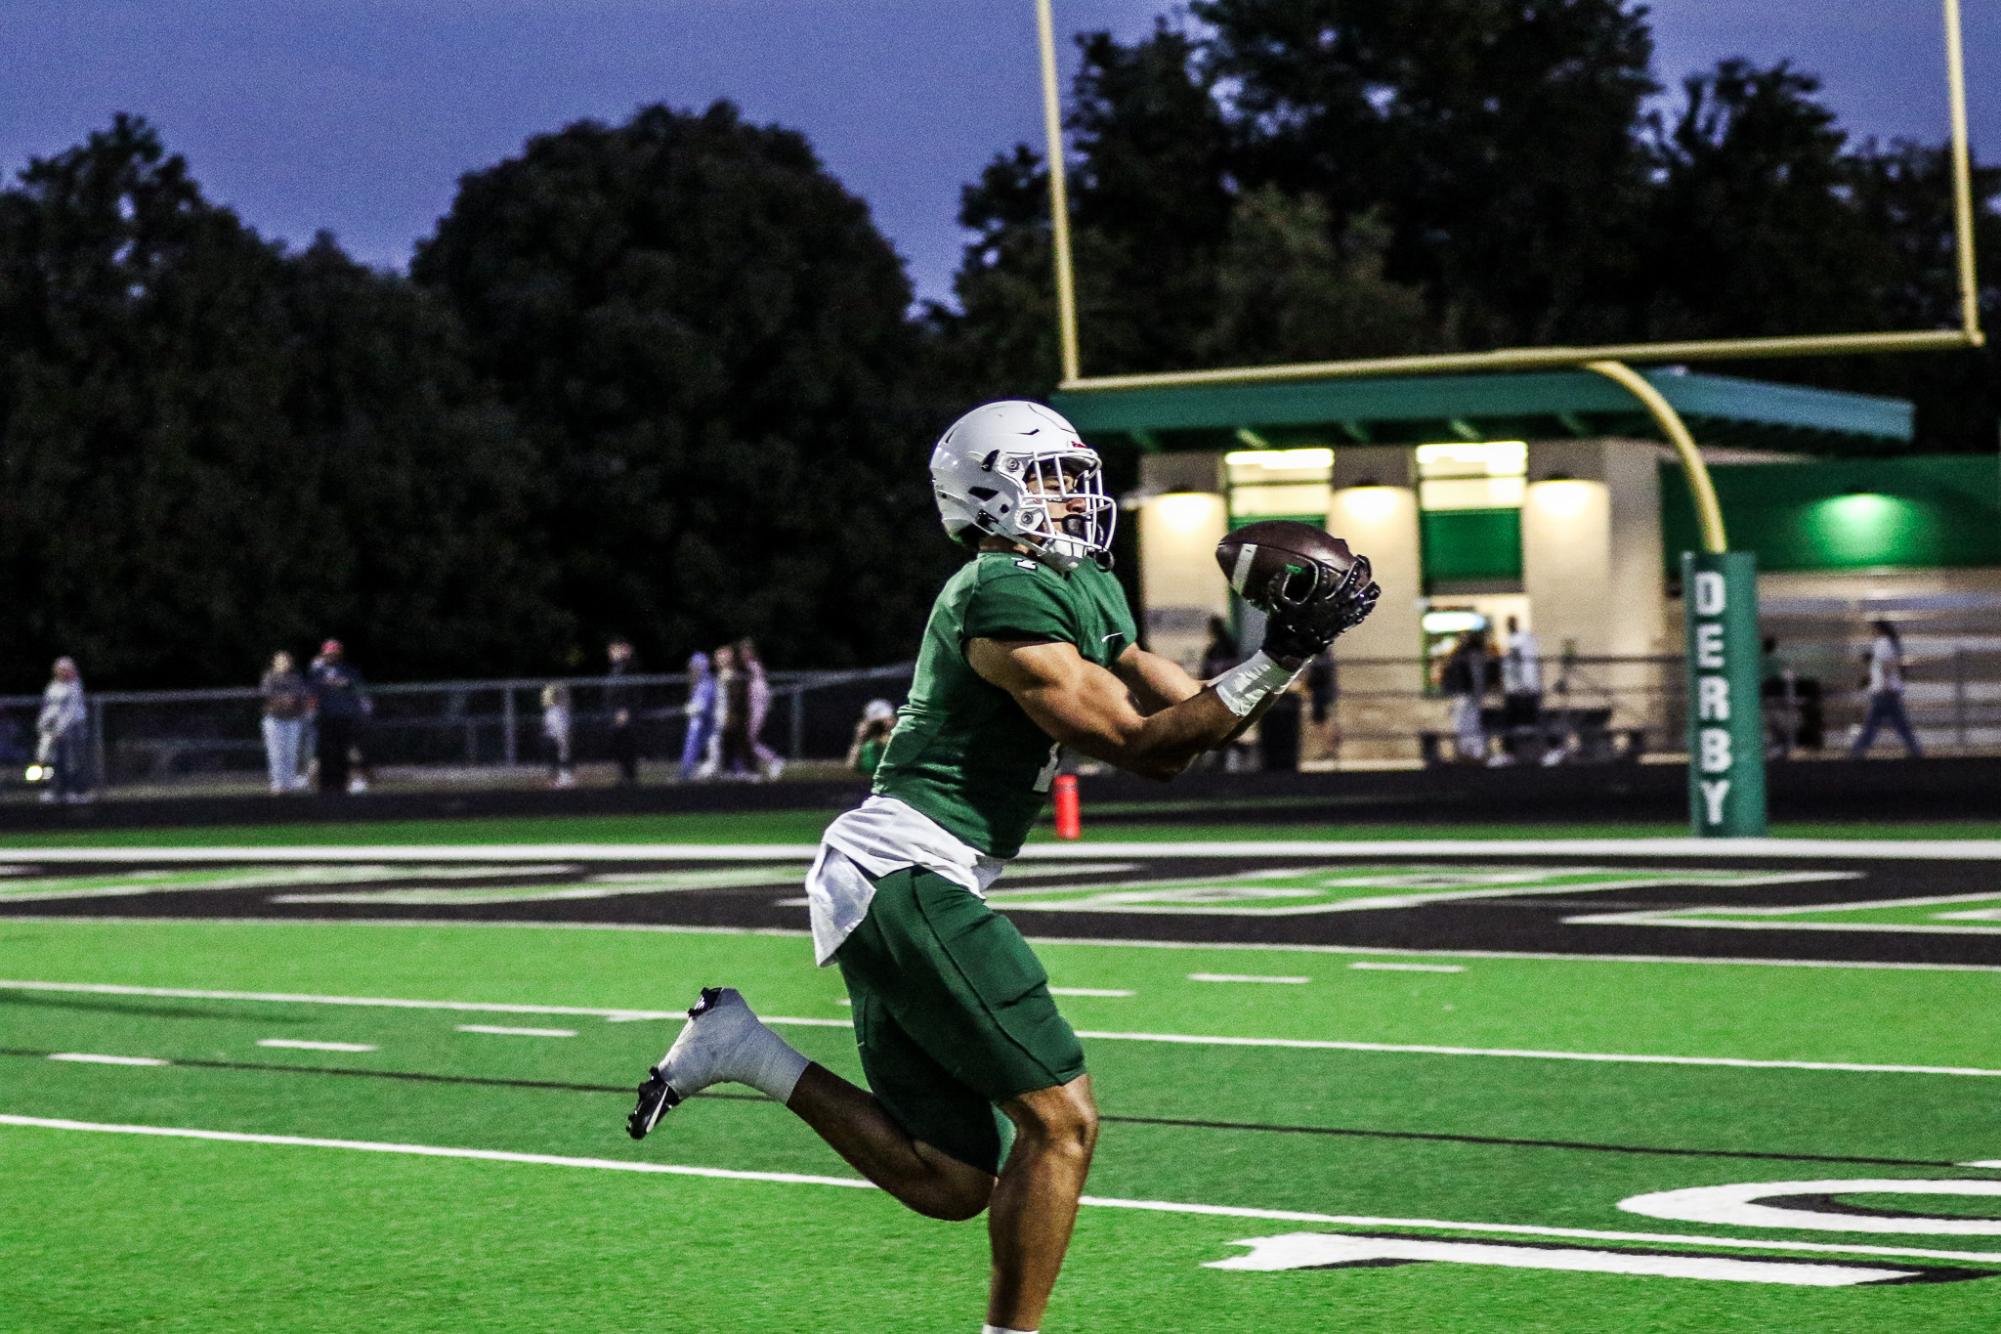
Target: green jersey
{"x":963,"y":752}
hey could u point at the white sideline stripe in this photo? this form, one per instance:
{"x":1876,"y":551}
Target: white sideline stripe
{"x":671,"y":929}
{"x":1249,"y":977}
{"x":1094,"y":1201}
{"x":616,"y":1015}
{"x":1693,"y":917}
{"x":366,"y":1002}
{"x":1531,"y":1054}
{"x":1760,"y":849}
{"x":1409,"y":967}
{"x":1115,"y":992}
{"x":98,"y":1058}
{"x":301,"y":1044}
{"x":1986,"y":1162}
{"x":499,"y":1031}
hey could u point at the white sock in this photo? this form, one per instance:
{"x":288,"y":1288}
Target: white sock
{"x":1003,"y":1329}
{"x":773,"y":1066}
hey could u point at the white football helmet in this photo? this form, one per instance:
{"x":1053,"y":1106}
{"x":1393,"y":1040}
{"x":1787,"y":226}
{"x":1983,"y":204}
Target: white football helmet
{"x":1019,"y":471}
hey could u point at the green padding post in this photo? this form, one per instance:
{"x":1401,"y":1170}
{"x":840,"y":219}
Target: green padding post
{"x":1726,"y":726}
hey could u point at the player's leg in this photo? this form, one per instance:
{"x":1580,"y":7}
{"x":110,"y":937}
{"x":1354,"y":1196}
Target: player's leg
{"x":1035,"y":1202}
{"x":963,"y":984}
{"x":724,"y":1041}
{"x":856,"y":1125}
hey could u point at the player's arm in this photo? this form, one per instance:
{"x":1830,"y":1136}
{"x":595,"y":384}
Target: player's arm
{"x":1081,"y":704}
{"x":1155,"y":682}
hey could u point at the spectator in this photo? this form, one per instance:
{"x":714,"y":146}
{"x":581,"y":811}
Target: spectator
{"x":701,"y":712}
{"x":621,"y":698}
{"x":1323,"y":690}
{"x":768,"y":761}
{"x":1521,"y":688}
{"x":731,"y":748}
{"x":871,"y":736}
{"x":63,"y":730}
{"x":1886,"y":692}
{"x":1465,"y":679}
{"x":556,"y":727}
{"x":285,"y":701}
{"x":340,"y":703}
{"x":1779,"y":689}
{"x":1221,"y":653}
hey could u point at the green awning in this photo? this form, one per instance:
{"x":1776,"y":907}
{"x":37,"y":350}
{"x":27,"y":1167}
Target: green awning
{"x":1719,"y":410}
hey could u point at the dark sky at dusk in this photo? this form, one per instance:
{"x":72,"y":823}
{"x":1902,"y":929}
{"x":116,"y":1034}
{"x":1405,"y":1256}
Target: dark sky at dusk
{"x":359,"y":115}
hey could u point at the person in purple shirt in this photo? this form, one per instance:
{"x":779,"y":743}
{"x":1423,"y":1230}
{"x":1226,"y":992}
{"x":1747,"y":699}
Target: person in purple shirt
{"x":701,"y":711}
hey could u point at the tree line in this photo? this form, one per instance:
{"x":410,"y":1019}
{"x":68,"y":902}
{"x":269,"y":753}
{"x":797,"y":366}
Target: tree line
{"x":664,"y":379}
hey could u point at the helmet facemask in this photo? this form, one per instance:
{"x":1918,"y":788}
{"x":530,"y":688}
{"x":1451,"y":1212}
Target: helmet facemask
{"x":1060,"y":510}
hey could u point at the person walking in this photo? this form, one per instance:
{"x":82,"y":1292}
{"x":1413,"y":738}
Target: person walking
{"x":63,"y":730}
{"x":730,"y":751}
{"x":285,"y":702}
{"x":769,"y":763}
{"x":339,"y":703}
{"x":1886,"y":693}
{"x":1465,"y":679}
{"x":1521,"y":692}
{"x":701,"y":714}
{"x":556,"y":728}
{"x":621,"y":697}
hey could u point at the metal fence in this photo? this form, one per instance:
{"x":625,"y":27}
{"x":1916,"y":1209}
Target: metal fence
{"x":461,"y":730}
{"x":1381,"y":712}
{"x":1816,"y":697}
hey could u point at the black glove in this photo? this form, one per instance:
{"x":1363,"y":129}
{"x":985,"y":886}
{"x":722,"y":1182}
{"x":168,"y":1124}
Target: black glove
{"x":1297,"y":630}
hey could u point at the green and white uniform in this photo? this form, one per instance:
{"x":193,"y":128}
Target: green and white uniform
{"x":963,"y":751}
{"x":952,"y":1010}
{"x":966,"y":772}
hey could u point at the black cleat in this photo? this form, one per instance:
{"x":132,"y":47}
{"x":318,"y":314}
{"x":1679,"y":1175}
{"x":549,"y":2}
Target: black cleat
{"x":656,"y":1096}
{"x":656,"y":1099}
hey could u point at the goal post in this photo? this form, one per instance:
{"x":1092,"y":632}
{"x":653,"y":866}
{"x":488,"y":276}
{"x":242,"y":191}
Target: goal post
{"x":1726,"y":735}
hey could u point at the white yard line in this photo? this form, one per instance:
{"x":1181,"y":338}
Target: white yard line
{"x":1373,"y":966}
{"x":1691,"y":917}
{"x":793,"y":933}
{"x":1754,"y":849}
{"x":1179,"y":1039}
{"x":1090,"y":1201}
{"x":1108,"y":992}
{"x":303,"y":1044}
{"x":99,"y":1058}
{"x":499,"y":1031}
{"x":1250,"y":977}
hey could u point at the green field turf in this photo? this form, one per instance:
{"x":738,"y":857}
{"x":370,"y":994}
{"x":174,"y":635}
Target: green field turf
{"x":1502,"y":1133}
{"x":805,"y":827}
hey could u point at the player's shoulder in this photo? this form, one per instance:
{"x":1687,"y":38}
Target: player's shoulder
{"x":1011,"y":593}
{"x":1014,"y":571}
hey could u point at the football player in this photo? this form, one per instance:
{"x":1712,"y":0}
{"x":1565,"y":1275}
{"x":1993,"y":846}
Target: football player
{"x":1031,"y":647}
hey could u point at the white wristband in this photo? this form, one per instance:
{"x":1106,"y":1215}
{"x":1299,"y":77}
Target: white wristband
{"x":1246,"y":685}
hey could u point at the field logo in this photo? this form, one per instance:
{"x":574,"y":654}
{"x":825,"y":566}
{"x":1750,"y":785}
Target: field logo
{"x":1815,"y":1206}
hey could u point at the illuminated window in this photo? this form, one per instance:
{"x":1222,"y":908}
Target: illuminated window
{"x":1279,"y":483}
{"x":1469,"y":498}
{"x":1483,"y":475}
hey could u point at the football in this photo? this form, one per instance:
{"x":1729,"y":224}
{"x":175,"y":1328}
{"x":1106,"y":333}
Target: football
{"x":1312,"y":560}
